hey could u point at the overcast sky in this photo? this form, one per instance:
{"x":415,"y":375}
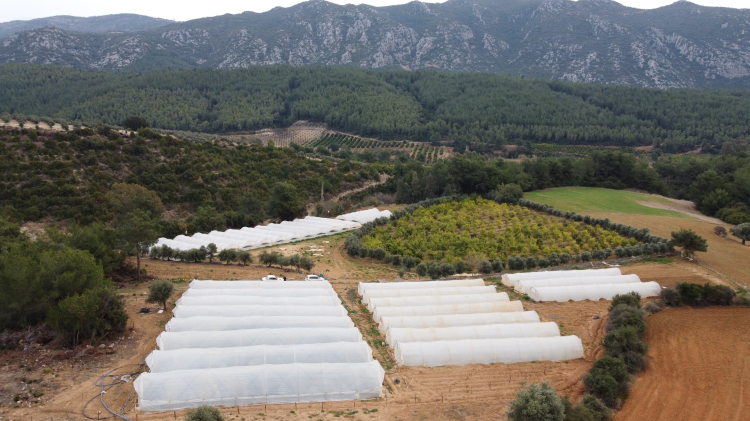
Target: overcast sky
{"x":182,"y":10}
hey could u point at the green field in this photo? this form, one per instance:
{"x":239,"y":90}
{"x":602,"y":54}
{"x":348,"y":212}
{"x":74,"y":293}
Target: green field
{"x":586,"y":200}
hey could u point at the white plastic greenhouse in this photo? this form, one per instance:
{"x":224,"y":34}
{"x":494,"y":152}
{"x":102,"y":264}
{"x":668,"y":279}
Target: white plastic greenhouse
{"x":246,"y":300}
{"x":593,"y":292}
{"x":486,"y":351}
{"x":283,"y":383}
{"x":257,"y":284}
{"x":456,"y":320}
{"x":209,"y":323}
{"x":261,"y":236}
{"x":446,"y":309}
{"x":201,"y":358}
{"x":249,"y":310}
{"x":263,"y":292}
{"x":421,"y":292}
{"x":432,"y":300}
{"x":524,"y":286}
{"x":369,"y":286}
{"x":512,"y":279}
{"x":398,"y":335}
{"x":252,"y":337}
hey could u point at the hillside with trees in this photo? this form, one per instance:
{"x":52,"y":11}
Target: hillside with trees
{"x":482,"y":112}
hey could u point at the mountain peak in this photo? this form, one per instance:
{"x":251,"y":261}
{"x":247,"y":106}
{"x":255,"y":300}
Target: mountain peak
{"x":589,"y":40}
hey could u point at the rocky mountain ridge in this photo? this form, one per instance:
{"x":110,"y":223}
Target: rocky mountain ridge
{"x":601,"y":41}
{"x":123,"y":22}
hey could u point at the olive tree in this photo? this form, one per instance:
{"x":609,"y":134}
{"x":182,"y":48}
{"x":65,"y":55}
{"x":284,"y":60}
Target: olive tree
{"x":741,"y":231}
{"x":159,"y":292}
{"x":689,"y":241}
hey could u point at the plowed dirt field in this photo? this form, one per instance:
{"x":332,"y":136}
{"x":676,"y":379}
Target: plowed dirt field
{"x":699,"y":369}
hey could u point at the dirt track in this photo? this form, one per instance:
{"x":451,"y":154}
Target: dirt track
{"x":699,"y":370}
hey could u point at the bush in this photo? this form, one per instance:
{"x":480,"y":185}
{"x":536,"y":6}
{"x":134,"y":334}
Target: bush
{"x":564,"y":258}
{"x":508,"y":193}
{"x":670,"y":297}
{"x":377,"y":253}
{"x":422,"y":269}
{"x":461,"y":267}
{"x":553,"y":259}
{"x":627,"y":344}
{"x":159,"y":292}
{"x":536,"y":403}
{"x":434,"y":270}
{"x":96,"y":314}
{"x":586,"y":256}
{"x":589,"y":408}
{"x":204,"y":413}
{"x":632,"y":299}
{"x":485,"y":266}
{"x":497,"y":266}
{"x":625,"y":315}
{"x":530,"y":262}
{"x":718,"y":295}
{"x":608,"y":380}
{"x":654,"y":306}
{"x":447,"y":269}
{"x":409,"y":262}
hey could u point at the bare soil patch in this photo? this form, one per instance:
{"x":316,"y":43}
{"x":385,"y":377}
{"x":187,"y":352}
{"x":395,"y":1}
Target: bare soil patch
{"x":699,"y":368}
{"x":683,"y":206}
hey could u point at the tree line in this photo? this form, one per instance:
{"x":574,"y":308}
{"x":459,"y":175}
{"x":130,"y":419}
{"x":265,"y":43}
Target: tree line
{"x":466,"y":109}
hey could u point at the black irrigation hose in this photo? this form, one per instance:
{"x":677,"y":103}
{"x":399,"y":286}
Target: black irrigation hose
{"x":100,"y":382}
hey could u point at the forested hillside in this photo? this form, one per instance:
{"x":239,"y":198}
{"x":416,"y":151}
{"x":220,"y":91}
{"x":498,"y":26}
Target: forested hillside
{"x":203,"y":186}
{"x":479,"y":110}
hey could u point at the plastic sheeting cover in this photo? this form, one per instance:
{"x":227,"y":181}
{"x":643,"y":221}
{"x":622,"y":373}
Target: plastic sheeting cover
{"x":486,"y":351}
{"x":248,"y":300}
{"x":524,"y":286}
{"x":446,"y":309}
{"x":209,"y":323}
{"x":513,"y":330}
{"x":512,"y":279}
{"x":196,"y":284}
{"x":454,"y":320}
{"x":421,"y":292}
{"x":244,"y":311}
{"x":592,"y":292}
{"x":252,"y":337}
{"x":366,"y":286}
{"x":202,"y":358}
{"x":271,"y":292}
{"x":432,"y":300}
{"x":284,"y":383}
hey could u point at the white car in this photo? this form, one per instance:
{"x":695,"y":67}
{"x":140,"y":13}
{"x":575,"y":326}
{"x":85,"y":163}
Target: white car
{"x":314,"y":278}
{"x":272,"y":278}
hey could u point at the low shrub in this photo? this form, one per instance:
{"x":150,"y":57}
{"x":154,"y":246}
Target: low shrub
{"x":204,"y":413}
{"x":632,"y":299}
{"x":627,"y":344}
{"x":422,"y":269}
{"x":497,"y":265}
{"x":485,"y":266}
{"x":705,"y":295}
{"x":625,"y":315}
{"x":608,"y":380}
{"x":654,"y":306}
{"x":589,"y":408}
{"x":461,"y":267}
{"x":670,"y":297}
{"x":536,"y":402}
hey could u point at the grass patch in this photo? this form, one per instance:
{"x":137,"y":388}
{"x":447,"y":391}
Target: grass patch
{"x":586,"y":200}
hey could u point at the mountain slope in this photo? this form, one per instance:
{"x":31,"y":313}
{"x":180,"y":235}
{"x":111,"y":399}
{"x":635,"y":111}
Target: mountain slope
{"x":124,"y":22}
{"x":682,"y":45}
